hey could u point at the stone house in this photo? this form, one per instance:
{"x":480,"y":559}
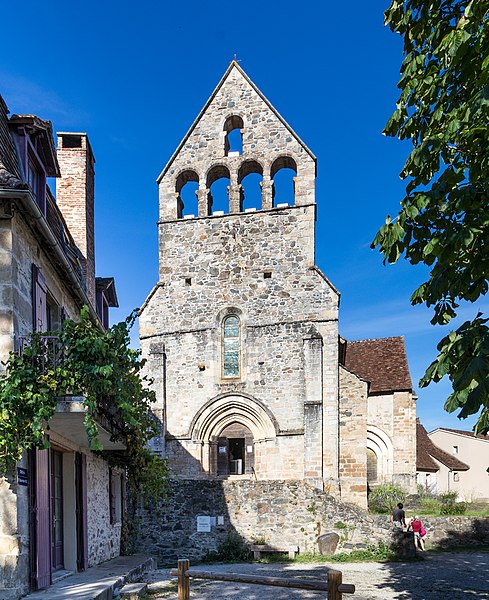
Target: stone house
{"x":61,"y":510}
{"x":241,"y":331}
{"x":458,"y":461}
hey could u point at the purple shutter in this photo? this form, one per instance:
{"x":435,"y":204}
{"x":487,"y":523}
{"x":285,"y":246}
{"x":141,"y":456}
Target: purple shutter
{"x":42,"y":521}
{"x":39,"y":291}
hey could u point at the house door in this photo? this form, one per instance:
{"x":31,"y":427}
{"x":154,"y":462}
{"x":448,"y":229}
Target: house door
{"x":81,"y":511}
{"x":57,"y":548}
{"x":39,"y":522}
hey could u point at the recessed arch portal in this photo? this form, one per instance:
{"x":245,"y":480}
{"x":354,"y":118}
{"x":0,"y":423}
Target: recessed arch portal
{"x":232,"y":427}
{"x":380,"y":445}
{"x":226,"y":409}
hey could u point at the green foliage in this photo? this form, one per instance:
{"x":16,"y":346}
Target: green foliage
{"x":99,"y":366}
{"x":443,"y":109}
{"x":450,"y":506}
{"x":384,"y":498}
{"x":442,"y":504}
{"x":371,"y":553}
{"x":232,"y":549}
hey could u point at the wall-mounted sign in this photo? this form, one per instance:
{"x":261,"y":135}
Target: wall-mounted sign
{"x":220,"y":520}
{"x":222,"y":449}
{"x":22,"y":476}
{"x":249,"y":449}
{"x":203,"y":524}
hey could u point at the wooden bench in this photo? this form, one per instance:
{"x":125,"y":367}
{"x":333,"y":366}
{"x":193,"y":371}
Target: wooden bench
{"x":257,"y":549}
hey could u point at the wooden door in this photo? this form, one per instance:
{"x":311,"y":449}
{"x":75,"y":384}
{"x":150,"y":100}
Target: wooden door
{"x":223,"y":457}
{"x":40,"y":518}
{"x":57,"y":547}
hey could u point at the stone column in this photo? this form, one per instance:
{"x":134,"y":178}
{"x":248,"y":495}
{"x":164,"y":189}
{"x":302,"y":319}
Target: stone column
{"x":313,"y":411}
{"x":234,"y":193}
{"x":203,"y":201}
{"x":266,"y":192}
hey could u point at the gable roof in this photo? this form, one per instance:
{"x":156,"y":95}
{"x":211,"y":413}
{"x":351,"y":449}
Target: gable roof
{"x":470,"y":434}
{"x":381,"y":361}
{"x":426,"y":451}
{"x":233,"y":65}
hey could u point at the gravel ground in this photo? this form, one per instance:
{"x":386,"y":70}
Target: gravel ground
{"x":440,"y":576}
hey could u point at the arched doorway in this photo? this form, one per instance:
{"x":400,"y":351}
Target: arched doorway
{"x":235,"y":451}
{"x":234,"y":430}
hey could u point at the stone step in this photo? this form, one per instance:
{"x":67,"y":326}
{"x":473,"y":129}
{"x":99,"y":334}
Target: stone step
{"x":133,"y":591}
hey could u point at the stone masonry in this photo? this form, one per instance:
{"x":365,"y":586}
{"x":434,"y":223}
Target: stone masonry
{"x":308,"y":416}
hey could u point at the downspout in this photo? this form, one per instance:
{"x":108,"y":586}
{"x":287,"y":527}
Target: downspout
{"x":35,"y":213}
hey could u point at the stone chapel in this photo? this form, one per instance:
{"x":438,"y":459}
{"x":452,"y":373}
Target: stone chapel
{"x":241,"y":334}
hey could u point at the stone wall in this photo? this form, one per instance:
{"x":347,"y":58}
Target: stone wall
{"x":353,"y":434}
{"x":280,"y":513}
{"x":103,"y":536}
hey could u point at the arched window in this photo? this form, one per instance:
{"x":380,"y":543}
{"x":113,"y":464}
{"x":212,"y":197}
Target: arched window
{"x":250,"y":175}
{"x":186,"y":186}
{"x":231,"y":347}
{"x":218,"y":181}
{"x":233,"y":142}
{"x":282,"y":173}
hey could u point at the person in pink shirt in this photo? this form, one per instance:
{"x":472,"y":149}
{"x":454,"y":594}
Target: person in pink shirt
{"x":419,"y":532}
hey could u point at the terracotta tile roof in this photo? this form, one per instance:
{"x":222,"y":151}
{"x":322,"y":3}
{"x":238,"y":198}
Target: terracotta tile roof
{"x":426,"y":451}
{"x":479,"y":436}
{"x":382,"y":362}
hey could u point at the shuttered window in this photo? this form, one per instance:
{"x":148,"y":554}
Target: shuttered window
{"x":39,"y":293}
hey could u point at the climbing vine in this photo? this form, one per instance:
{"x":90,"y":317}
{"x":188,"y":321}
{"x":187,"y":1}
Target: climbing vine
{"x":99,"y":366}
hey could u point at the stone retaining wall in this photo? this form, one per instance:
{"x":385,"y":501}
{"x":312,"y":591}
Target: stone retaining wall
{"x":277,"y":513}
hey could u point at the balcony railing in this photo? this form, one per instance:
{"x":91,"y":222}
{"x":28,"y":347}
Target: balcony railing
{"x":50,"y":353}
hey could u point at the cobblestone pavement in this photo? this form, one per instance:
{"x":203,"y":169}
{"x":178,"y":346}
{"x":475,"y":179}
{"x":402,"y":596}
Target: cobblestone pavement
{"x":440,"y":576}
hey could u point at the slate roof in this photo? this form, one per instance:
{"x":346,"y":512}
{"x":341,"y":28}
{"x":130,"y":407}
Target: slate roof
{"x":426,"y":451}
{"x":382,"y":362}
{"x":10,"y":176}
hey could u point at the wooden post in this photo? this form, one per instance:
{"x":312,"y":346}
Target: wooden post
{"x":335,"y":579}
{"x":183,"y":579}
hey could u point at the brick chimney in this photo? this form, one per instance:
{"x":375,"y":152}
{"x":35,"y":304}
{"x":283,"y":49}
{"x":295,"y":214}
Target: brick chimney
{"x":75,"y":198}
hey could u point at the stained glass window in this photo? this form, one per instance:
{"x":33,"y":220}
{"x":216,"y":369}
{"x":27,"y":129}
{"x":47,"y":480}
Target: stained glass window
{"x":231,"y":347}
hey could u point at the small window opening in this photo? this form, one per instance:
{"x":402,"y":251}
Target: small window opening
{"x":455,"y":449}
{"x":188,"y":281}
{"x":72,"y":141}
{"x":456,"y":477}
{"x":267,"y":275}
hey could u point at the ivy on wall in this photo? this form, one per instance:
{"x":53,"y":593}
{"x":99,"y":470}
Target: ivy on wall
{"x":99,"y":366}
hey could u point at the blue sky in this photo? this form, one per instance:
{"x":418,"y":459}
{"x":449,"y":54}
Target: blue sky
{"x":135,"y":75}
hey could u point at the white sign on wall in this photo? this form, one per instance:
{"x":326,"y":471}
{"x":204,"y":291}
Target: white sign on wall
{"x":203,"y":524}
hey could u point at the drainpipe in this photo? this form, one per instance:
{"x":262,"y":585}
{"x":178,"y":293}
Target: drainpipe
{"x":35,"y":213}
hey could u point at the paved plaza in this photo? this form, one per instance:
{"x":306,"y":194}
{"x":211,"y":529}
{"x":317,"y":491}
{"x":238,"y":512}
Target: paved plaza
{"x":440,"y":576}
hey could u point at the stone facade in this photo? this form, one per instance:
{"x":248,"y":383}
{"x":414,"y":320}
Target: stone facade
{"x":42,"y":281}
{"x":242,"y":327}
